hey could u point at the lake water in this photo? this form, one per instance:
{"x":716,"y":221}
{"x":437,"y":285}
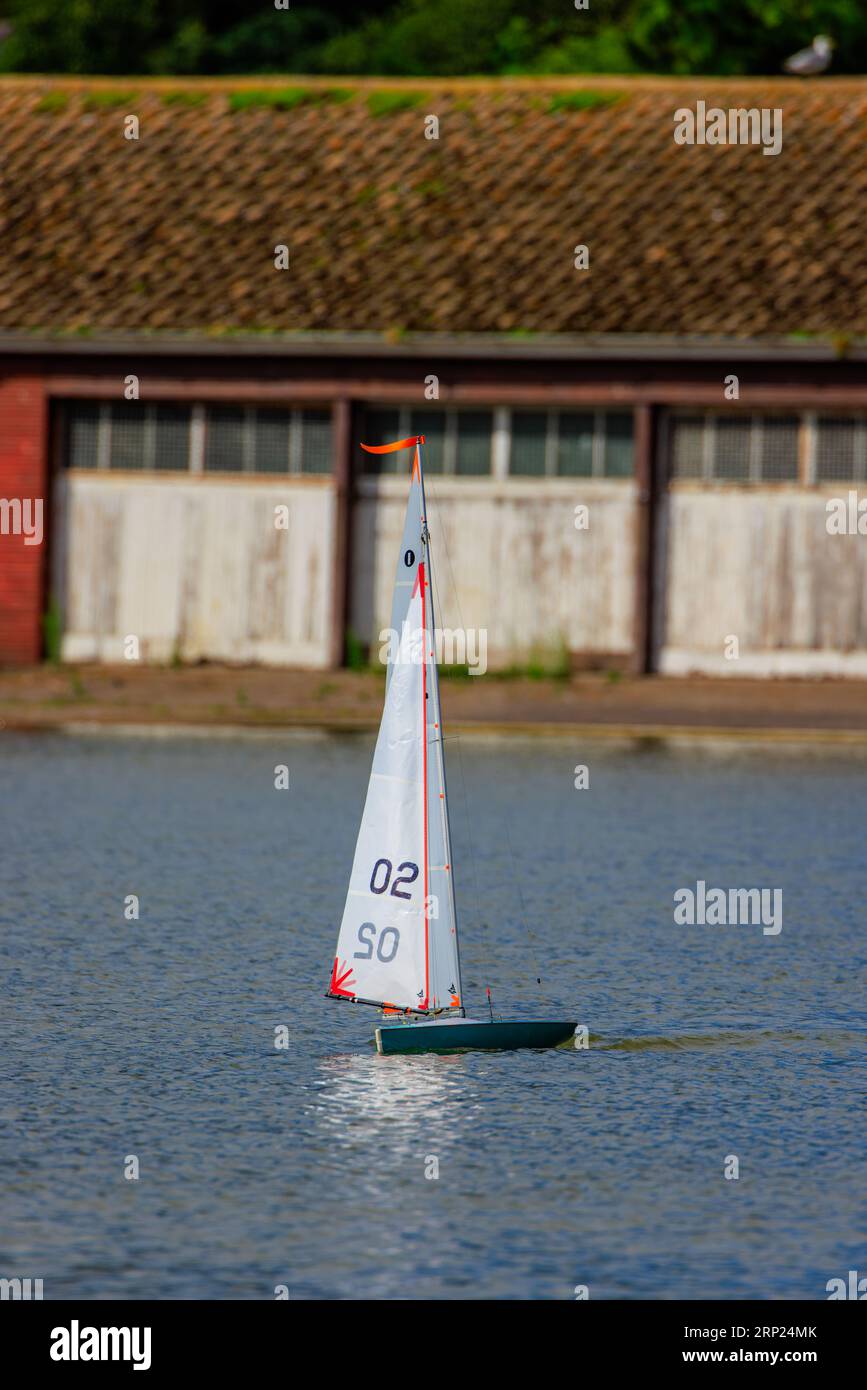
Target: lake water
{"x":306,"y":1166}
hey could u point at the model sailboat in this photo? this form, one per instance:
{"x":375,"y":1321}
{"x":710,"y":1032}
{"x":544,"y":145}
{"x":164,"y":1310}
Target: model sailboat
{"x":398,"y":942}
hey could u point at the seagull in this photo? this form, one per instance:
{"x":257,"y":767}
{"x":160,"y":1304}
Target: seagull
{"x":812,"y":60}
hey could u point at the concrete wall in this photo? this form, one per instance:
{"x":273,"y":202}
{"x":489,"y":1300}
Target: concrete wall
{"x":508,"y":559}
{"x":194,"y":566}
{"x":759,"y":564}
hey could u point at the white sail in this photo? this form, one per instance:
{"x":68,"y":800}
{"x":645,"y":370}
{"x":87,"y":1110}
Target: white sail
{"x":397,"y":944}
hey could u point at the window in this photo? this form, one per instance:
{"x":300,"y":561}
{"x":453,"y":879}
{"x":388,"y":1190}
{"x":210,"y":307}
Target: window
{"x":138,"y":436}
{"x":687,"y":446}
{"x":575,"y":444}
{"x":475,"y":430}
{"x":841,"y":448}
{"x":127,"y":435}
{"x":618,"y":461}
{"x":315,"y":445}
{"x":250,"y":439}
{"x":535,"y":443}
{"x":736,"y":448}
{"x":529,"y":436}
{"x":457,"y":442}
{"x":82,"y":436}
{"x":171,"y":436}
{"x":731,"y":454}
{"x":224,"y":439}
{"x":778,"y":448}
{"x":270,"y":440}
{"x":571,"y":444}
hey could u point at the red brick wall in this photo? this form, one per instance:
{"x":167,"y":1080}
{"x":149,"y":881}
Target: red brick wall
{"x":23,"y":475}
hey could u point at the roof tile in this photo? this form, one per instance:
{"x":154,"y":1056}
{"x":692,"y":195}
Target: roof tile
{"x":474,"y":232}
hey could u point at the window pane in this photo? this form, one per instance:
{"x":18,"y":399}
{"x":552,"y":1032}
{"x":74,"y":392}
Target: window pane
{"x":474,"y":442}
{"x":82,"y":436}
{"x":316,"y":441}
{"x":529,"y":432}
{"x":224,"y":439}
{"x":381,"y":427}
{"x":835,"y":449}
{"x":271,"y":441}
{"x":731,"y":460}
{"x":172,"y":437}
{"x":432,"y":424}
{"x":575,"y":444}
{"x":687,"y":446}
{"x":779,"y":448}
{"x":618,"y":461}
{"x":128,"y":430}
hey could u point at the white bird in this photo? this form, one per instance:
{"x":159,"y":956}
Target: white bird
{"x":812,"y":60}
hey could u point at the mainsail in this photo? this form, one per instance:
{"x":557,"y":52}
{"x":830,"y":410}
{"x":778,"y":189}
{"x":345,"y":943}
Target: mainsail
{"x":398,"y":944}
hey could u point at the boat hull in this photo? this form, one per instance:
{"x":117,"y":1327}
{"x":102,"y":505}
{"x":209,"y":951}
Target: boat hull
{"x":458,"y":1035}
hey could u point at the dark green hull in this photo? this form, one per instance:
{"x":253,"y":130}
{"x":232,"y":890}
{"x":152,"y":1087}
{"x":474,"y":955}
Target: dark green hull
{"x":459,"y":1035}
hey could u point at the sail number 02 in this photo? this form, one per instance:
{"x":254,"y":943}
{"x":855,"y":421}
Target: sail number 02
{"x":387,"y":865}
{"x":389,"y":937}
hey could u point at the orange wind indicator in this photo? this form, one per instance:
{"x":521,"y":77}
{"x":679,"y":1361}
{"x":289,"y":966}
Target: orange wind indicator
{"x":393,"y":448}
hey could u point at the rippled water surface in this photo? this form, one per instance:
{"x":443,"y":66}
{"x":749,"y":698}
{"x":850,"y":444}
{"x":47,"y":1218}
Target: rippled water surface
{"x":306,"y":1166}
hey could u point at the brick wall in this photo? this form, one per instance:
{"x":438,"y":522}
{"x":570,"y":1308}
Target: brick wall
{"x":23,"y":482}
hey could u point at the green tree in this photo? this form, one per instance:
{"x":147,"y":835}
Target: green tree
{"x":419,"y":37}
{"x":457,"y":37}
{"x":82,"y":36}
{"x":742,"y":36}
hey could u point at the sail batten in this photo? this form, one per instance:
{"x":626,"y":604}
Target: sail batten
{"x":397,"y":944}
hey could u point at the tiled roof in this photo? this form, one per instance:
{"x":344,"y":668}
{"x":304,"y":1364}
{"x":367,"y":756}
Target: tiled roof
{"x":387,"y":230}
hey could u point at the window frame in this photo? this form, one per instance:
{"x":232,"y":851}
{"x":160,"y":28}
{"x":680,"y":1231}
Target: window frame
{"x":502,"y":437}
{"x":197,"y":437}
{"x":600,"y":416}
{"x":859,"y":450}
{"x":710,"y":415}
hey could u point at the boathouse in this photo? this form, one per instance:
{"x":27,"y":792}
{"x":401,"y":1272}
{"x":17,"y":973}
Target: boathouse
{"x":640,"y":367}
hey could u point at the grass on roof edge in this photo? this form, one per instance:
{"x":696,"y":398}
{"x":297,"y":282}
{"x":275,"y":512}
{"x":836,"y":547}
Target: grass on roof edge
{"x":286,"y":98}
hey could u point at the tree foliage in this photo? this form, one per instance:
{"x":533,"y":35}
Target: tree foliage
{"x":417,"y":37}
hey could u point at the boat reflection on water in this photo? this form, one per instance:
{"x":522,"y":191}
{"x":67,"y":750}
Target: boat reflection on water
{"x":409,"y":1103}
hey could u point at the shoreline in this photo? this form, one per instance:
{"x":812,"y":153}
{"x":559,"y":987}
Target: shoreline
{"x":192,"y":699}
